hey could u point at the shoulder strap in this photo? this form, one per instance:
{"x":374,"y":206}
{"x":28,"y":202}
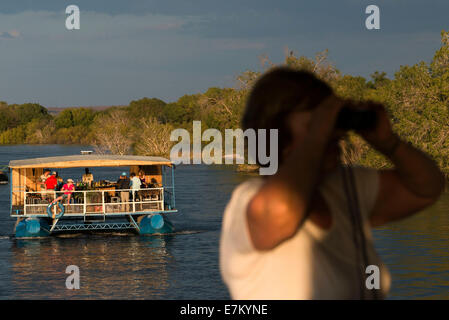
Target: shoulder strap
{"x":357,"y":228}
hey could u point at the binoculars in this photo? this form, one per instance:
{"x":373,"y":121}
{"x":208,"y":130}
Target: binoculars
{"x":352,"y":118}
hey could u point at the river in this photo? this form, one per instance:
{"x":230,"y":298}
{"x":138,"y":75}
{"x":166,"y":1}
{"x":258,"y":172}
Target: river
{"x":184,"y":265}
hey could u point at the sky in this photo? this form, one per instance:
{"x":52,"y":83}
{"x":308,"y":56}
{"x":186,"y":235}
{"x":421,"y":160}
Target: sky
{"x":127,"y":50}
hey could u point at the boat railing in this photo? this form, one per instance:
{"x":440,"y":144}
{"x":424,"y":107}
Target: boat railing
{"x":97,"y":202}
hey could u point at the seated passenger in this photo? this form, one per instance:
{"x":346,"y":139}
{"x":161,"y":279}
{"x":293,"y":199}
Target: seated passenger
{"x":68,"y":189}
{"x":154,"y":183}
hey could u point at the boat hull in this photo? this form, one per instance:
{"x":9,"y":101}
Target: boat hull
{"x":39,"y":227}
{"x":32,"y":228}
{"x":155,"y":224}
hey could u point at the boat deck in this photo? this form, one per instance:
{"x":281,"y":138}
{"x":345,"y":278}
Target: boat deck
{"x":91,"y":203}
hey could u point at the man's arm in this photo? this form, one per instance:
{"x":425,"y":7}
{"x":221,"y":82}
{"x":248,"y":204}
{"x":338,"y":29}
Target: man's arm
{"x":415,"y":182}
{"x":278,"y":208}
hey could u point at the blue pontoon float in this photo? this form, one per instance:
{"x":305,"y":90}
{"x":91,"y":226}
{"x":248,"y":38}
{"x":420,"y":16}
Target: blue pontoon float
{"x":94,"y":208}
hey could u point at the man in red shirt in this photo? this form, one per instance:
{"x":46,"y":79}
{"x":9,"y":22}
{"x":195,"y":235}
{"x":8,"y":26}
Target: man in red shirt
{"x":51,"y":182}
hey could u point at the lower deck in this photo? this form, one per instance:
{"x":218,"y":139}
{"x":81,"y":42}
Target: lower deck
{"x":117,"y":202}
{"x":143,"y":211}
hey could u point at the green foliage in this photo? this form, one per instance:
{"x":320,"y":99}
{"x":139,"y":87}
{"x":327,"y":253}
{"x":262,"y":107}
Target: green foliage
{"x":417,"y":100}
{"x":74,"y":117}
{"x":17,"y":115}
{"x":320,"y":65}
{"x":183,"y":111}
{"x":146,"y":107}
{"x":351,"y":87}
{"x":13,"y":136}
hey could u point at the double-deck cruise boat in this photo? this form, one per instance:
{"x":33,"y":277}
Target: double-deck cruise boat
{"x":96,"y":205}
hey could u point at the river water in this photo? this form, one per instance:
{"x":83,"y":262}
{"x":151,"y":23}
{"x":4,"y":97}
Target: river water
{"x":184,"y":265}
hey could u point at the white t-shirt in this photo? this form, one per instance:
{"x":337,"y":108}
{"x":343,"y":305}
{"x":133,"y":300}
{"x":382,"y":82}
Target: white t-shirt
{"x":135,"y":183}
{"x":314,"y":263}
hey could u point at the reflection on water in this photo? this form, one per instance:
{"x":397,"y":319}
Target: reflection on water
{"x":184,"y":265}
{"x":109,"y":267}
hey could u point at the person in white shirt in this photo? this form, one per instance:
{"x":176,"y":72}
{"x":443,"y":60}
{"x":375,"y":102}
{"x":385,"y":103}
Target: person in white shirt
{"x":305,"y":232}
{"x":135,"y":186}
{"x":45,"y":176}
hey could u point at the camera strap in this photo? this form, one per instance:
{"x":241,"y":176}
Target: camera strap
{"x":357,"y":228}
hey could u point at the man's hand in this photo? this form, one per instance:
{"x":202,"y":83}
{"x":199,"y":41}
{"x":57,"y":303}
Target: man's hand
{"x":324,"y":117}
{"x":382,"y":136}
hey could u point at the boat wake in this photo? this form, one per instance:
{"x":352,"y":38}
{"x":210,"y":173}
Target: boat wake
{"x":102,"y":234}
{"x":181,"y":232}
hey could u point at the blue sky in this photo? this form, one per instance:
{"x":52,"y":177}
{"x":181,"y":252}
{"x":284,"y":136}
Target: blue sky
{"x":127,"y":50}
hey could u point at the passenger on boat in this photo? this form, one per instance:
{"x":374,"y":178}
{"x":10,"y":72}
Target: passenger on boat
{"x":60,"y":182}
{"x":123,"y":183}
{"x":51,"y":182}
{"x":154,"y":183}
{"x":154,"y":194}
{"x":142,"y":178}
{"x":88,"y":177}
{"x":44,"y":177}
{"x":135,"y":186}
{"x":68,"y":189}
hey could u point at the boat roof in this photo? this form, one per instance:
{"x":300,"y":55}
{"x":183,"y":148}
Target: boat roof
{"x":91,"y":160}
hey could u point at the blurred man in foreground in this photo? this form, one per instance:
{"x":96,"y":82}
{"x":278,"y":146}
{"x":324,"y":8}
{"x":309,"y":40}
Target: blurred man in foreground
{"x":305,"y":232}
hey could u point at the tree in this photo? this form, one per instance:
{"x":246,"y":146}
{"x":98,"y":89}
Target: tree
{"x":183,"y":111}
{"x":114,"y":133}
{"x":72,"y":117}
{"x":320,"y":65}
{"x":146,"y":107}
{"x":29,"y":111}
{"x":350,"y":87}
{"x":64,"y":119}
{"x":153,"y":138}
